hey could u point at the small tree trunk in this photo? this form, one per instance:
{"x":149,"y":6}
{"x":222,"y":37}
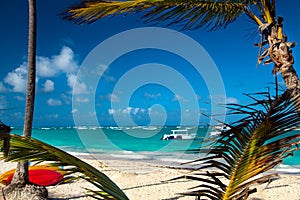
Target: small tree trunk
{"x":21,"y":175}
{"x":30,"y":93}
{"x":20,"y":187}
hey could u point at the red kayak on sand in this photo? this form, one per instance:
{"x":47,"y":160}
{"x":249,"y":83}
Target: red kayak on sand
{"x":43,"y":175}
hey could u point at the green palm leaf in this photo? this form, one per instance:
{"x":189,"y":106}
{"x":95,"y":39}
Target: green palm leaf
{"x":255,"y":144}
{"x":190,"y":14}
{"x":23,"y":148}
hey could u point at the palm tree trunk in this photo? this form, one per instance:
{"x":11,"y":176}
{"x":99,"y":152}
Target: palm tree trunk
{"x":20,"y":187}
{"x":21,"y":174}
{"x":281,"y":55}
{"x":31,"y":69}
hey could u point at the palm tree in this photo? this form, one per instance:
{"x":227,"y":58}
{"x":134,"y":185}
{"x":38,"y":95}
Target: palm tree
{"x":207,"y":15}
{"x":20,"y":178}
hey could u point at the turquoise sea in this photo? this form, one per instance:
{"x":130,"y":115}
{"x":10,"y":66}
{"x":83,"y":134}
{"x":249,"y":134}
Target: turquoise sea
{"x":133,"y":143}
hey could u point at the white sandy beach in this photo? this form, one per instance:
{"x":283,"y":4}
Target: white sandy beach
{"x":141,"y":180}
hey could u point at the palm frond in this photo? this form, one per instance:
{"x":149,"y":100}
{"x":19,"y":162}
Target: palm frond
{"x":256,"y":143}
{"x":23,"y":148}
{"x":190,"y":14}
{"x":269,"y":11}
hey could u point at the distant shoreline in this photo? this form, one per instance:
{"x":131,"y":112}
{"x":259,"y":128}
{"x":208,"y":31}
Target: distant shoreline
{"x":132,"y":149}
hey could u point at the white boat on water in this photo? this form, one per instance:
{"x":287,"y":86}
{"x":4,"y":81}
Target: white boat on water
{"x":179,"y":134}
{"x":115,"y":128}
{"x":219,"y":128}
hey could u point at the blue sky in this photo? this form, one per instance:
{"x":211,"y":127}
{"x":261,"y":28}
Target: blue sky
{"x":126,"y":93}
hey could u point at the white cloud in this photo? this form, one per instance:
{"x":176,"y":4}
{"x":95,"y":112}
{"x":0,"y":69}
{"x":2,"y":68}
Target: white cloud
{"x":102,"y":70}
{"x":202,"y":109}
{"x":82,"y":100}
{"x":114,"y":98}
{"x":111,"y":111}
{"x":230,"y":100}
{"x":67,"y":99}
{"x":17,"y":78}
{"x":48,"y":86}
{"x":74,"y":111}
{"x":128,"y":110}
{"x":177,"y":97}
{"x":222,"y":100}
{"x":54,"y":102}
{"x":136,"y":111}
{"x":76,"y":86}
{"x":152,"y":96}
{"x":45,"y":67}
{"x":65,"y":61}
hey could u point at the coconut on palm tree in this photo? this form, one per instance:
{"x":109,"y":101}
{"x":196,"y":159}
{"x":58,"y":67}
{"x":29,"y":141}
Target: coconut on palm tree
{"x":205,"y":14}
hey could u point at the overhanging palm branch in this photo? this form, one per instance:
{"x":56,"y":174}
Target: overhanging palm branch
{"x":189,"y":14}
{"x":255,"y":144}
{"x":23,"y":148}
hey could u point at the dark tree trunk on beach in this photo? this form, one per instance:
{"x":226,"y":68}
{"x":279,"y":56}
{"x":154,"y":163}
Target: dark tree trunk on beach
{"x":4,"y":134}
{"x":20,"y":187}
